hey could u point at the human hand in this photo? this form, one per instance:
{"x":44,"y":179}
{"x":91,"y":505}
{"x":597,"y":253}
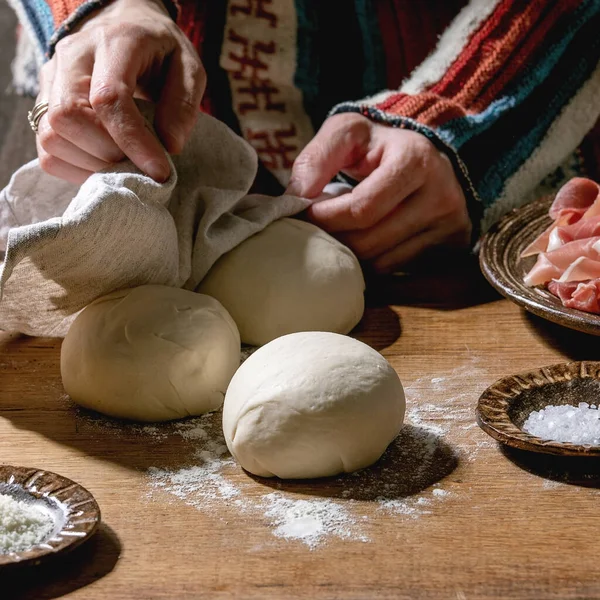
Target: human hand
{"x":408,"y":198}
{"x":128,"y":47}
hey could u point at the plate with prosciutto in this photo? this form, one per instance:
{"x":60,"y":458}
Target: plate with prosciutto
{"x":545,"y":256}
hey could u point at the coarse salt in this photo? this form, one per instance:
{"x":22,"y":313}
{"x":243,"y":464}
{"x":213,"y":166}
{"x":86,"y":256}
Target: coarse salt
{"x":575,"y":424}
{"x":23,"y":525}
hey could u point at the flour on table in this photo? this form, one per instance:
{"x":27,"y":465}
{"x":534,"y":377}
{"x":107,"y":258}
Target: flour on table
{"x":550,"y":484}
{"x":403,"y":483}
{"x":453,"y":410}
{"x":310,"y":521}
{"x":409,"y":482}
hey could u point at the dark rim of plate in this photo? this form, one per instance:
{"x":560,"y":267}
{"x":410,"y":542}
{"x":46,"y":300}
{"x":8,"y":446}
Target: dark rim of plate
{"x":82,"y":513}
{"x":500,"y":262}
{"x":501,"y":402}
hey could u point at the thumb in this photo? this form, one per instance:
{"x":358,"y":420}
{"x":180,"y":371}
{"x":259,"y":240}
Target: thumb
{"x":342,"y":141}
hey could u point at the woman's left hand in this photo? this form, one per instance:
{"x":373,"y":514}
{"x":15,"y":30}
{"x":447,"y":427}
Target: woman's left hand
{"x":408,"y":198}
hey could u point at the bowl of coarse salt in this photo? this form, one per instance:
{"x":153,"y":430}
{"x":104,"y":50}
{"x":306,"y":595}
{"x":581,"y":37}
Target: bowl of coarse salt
{"x":42,"y":514}
{"x":553,"y":409}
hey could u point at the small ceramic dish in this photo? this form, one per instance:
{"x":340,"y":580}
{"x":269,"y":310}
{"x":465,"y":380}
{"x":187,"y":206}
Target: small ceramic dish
{"x":504,"y":407}
{"x":75,"y":513}
{"x":501,"y":263}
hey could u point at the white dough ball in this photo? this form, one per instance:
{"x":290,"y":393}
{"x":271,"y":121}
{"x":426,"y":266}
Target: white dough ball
{"x":290,"y":277}
{"x":151,"y":353}
{"x":312,"y":404}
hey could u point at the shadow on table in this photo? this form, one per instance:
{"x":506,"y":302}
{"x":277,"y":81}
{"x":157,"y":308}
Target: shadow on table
{"x":575,"y":344}
{"x":379,"y":328}
{"x":49,"y":412}
{"x":573,"y":470}
{"x":443,"y":280}
{"x":416,"y":460}
{"x":63,"y":575}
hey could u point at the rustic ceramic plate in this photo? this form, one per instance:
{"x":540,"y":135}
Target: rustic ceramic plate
{"x":500,"y":262}
{"x":505,"y":406}
{"x":75,"y":512}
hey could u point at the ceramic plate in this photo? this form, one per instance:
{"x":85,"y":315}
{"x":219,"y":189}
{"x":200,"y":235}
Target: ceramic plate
{"x":502,"y":266}
{"x":505,"y":405}
{"x":75,"y":513}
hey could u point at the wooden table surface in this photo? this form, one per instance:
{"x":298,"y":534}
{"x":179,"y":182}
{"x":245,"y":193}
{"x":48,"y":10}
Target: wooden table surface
{"x":448,"y":513}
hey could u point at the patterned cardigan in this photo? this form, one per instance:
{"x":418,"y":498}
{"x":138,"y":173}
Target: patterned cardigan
{"x":508,"y":89}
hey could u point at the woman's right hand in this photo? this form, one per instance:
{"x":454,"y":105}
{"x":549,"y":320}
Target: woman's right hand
{"x":127,"y":47}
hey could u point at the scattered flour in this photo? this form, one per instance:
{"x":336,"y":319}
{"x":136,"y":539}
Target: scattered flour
{"x":309,"y":521}
{"x":550,"y":484}
{"x":404,"y":483}
{"x":213,"y":480}
{"x":22,"y":525}
{"x":453,"y":409}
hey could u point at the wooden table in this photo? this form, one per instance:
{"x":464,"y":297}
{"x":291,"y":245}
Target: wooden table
{"x":475,"y":521}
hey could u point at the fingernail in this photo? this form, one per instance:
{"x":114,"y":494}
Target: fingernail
{"x":157,"y":170}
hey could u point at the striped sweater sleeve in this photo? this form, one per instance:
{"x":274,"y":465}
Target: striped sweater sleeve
{"x":508,"y":94}
{"x":48,"y":21}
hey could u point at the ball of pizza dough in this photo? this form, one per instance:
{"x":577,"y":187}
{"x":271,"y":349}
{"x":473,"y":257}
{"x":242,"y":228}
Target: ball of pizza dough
{"x":151,"y":353}
{"x":290,"y":277}
{"x":312,"y":404}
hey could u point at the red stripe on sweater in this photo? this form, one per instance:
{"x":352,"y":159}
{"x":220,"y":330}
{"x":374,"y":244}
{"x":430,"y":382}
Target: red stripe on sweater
{"x":409,"y":31}
{"x":192,"y":20}
{"x":62,"y":9}
{"x":459,"y":69}
{"x":483,"y":44}
{"x":494,"y":56}
{"x":395,"y":66}
{"x":518,"y":60}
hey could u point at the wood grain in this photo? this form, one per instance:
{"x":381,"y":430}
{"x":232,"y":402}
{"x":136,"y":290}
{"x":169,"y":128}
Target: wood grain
{"x":513,"y":525}
{"x":509,"y":528}
{"x":17,"y":141}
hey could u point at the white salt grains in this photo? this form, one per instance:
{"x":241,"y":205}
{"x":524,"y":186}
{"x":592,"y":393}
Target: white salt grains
{"x":22,"y":525}
{"x":575,"y":424}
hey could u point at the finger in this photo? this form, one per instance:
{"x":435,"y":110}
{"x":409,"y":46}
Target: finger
{"x":339,"y":144}
{"x":45,"y":80}
{"x":55,"y":145}
{"x":370,"y":201}
{"x":69,"y":111}
{"x":111,"y":96}
{"x":61,"y":169}
{"x":407,"y":251}
{"x":397,"y":227}
{"x":179,"y":104}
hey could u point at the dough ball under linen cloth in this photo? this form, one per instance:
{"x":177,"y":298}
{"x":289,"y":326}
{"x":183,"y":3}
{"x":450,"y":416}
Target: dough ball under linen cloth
{"x":151,"y":353}
{"x":312,"y":404}
{"x":290,"y":277}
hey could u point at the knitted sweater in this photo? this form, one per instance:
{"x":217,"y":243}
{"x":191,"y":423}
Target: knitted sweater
{"x":508,"y":89}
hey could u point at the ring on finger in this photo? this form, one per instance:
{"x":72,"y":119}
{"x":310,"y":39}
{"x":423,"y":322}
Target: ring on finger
{"x":35,"y":114}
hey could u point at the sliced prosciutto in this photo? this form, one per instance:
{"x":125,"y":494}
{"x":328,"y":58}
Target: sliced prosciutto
{"x":577,"y":195}
{"x":585,"y":228}
{"x":551,"y":265}
{"x":582,"y":269}
{"x":568,"y":251}
{"x":582,"y":296}
{"x":577,"y":200}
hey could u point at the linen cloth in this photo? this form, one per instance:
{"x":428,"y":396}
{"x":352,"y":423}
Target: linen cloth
{"x":67,"y":245}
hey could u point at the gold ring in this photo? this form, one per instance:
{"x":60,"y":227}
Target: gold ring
{"x":35,"y":114}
